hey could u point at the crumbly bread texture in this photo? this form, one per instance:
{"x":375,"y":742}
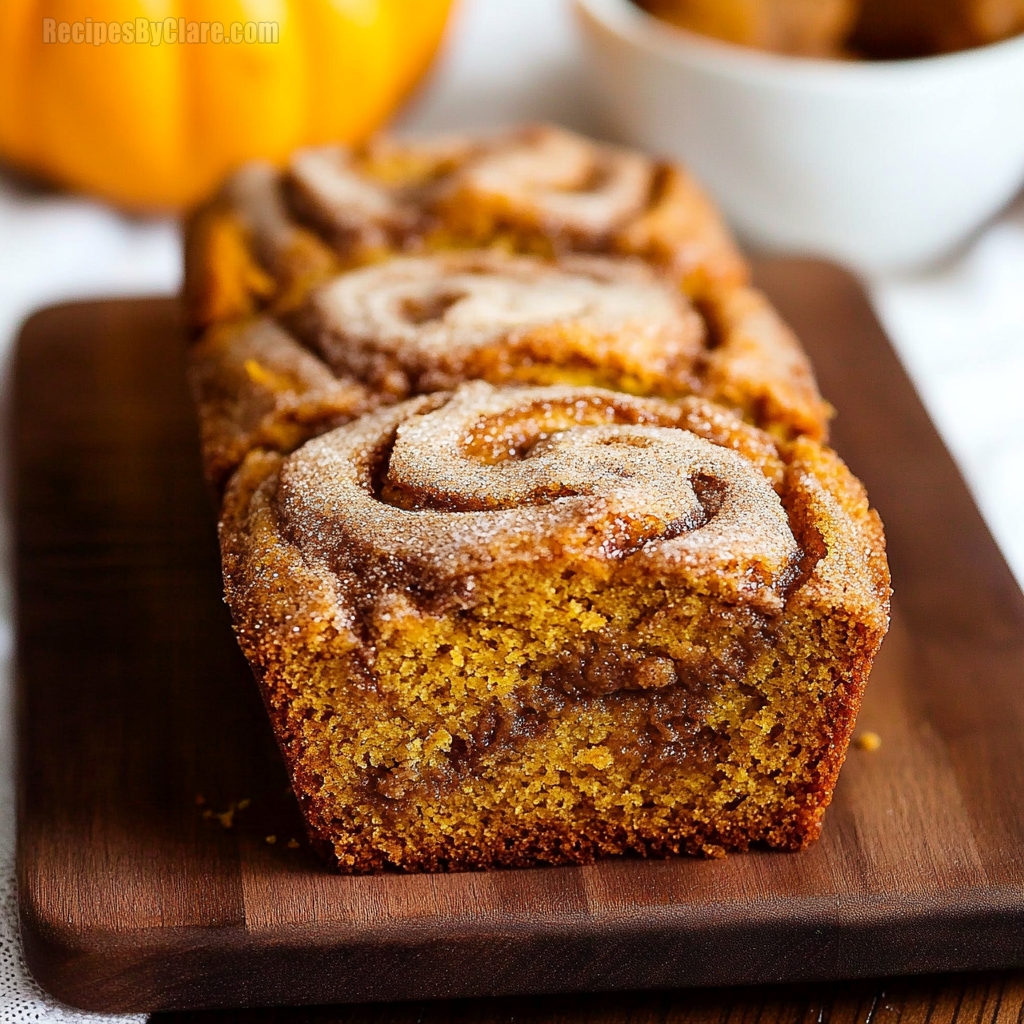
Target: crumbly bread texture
{"x":542,"y":624}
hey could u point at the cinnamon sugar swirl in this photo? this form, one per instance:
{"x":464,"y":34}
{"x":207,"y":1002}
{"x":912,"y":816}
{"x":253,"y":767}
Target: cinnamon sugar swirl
{"x":419,"y":324}
{"x":542,"y":624}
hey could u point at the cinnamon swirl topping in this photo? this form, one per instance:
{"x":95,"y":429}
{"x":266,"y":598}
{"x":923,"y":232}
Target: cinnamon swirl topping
{"x":351,"y":209}
{"x":538,"y":190}
{"x":552,"y":181}
{"x":437,"y":489}
{"x":423,"y":324}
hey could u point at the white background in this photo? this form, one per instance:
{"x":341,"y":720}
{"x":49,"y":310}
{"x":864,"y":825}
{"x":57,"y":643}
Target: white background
{"x":959,"y":328}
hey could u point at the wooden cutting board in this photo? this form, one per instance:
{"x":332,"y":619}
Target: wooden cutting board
{"x":150,"y":783}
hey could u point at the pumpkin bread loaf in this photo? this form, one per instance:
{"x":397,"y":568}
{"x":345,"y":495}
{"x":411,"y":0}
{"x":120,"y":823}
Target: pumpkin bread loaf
{"x":528,"y":529}
{"x":523,"y":625}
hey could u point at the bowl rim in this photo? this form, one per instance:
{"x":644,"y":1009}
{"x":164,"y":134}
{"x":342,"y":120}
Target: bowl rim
{"x":628,"y":21}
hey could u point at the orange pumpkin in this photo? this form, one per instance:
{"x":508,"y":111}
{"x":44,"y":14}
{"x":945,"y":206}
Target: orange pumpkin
{"x":156,"y":121}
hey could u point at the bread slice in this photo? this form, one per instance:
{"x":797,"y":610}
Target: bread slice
{"x":416,"y":324}
{"x":539,"y":625}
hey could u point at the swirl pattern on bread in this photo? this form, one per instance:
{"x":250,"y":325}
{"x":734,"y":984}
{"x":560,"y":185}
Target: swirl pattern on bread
{"x":419,"y":324}
{"x":577,"y":234}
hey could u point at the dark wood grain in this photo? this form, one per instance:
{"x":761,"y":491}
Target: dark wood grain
{"x":140,"y":725}
{"x":959,"y":999}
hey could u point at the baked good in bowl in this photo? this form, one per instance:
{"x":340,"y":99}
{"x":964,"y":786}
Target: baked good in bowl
{"x":821,"y":157}
{"x":524,"y":625}
{"x":894,"y":29}
{"x":874,"y":29}
{"x":805,"y":28}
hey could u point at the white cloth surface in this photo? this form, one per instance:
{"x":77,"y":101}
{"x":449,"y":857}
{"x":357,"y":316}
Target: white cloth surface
{"x":959,"y":329}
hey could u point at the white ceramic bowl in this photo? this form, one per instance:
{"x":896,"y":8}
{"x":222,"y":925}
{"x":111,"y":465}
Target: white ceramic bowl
{"x":881,"y":165}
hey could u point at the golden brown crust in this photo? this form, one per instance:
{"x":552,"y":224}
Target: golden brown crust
{"x":756,"y":365}
{"x":410,"y":515}
{"x":255,"y":386}
{"x":682,"y":233}
{"x":244,"y":251}
{"x":223,"y":279}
